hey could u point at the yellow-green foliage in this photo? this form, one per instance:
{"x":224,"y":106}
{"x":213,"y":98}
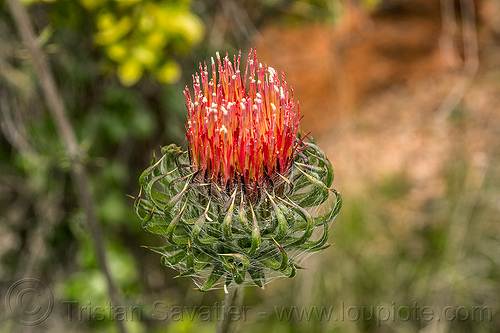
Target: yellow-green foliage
{"x":135,"y":35}
{"x":142,"y":36}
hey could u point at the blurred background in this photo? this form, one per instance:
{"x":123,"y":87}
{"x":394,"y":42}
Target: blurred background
{"x":402,"y":95}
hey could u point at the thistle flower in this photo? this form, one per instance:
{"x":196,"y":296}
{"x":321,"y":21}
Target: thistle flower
{"x":251,"y":198}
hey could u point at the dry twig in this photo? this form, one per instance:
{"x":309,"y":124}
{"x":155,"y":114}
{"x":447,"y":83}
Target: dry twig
{"x":67,"y":135}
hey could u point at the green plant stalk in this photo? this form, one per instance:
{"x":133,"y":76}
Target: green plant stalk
{"x":233,"y":299}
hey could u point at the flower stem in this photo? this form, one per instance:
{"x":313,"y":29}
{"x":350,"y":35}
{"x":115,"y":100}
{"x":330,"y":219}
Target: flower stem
{"x":233,"y":299}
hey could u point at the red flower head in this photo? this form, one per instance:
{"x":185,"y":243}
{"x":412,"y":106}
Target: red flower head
{"x":249,"y":199}
{"x":241,"y":130}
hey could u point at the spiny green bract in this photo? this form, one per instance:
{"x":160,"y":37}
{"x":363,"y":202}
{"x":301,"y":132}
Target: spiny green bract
{"x":216,"y":236}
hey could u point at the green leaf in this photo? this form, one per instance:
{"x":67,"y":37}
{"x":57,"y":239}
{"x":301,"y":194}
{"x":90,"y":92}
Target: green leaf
{"x":258,"y":276}
{"x":226,"y":224}
{"x":173,"y":225}
{"x":198,"y":228}
{"x":216,"y":274}
{"x":174,"y":259}
{"x":290,"y":271}
{"x":307,"y":218}
{"x":256,"y":240}
{"x":280,"y":217}
{"x":312,"y":245}
{"x":275,"y":264}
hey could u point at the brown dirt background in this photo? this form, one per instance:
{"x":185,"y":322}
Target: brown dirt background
{"x":371,"y":86}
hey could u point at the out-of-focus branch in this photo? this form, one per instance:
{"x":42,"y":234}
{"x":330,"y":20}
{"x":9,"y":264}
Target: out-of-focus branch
{"x":471,"y":61}
{"x":47,"y":83}
{"x":446,"y":42}
{"x":67,"y":134}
